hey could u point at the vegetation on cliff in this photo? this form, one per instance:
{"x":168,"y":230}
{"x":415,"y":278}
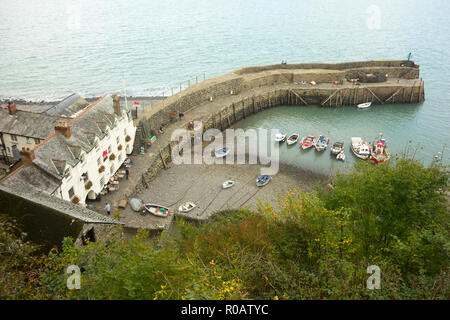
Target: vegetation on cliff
{"x":309,"y":246}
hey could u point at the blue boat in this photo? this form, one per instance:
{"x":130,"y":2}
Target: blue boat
{"x":263,"y":180}
{"x":222,"y":152}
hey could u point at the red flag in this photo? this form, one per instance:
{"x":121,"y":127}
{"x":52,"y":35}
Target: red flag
{"x":135,"y":102}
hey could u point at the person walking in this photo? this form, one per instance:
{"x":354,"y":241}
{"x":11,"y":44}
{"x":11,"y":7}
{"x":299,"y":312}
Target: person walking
{"x":127,"y":173}
{"x":108,"y":208}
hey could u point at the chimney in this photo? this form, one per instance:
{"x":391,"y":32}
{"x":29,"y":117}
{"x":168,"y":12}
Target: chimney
{"x":27,"y":156}
{"x":63,"y":128}
{"x":116,"y":105}
{"x":12,"y":108}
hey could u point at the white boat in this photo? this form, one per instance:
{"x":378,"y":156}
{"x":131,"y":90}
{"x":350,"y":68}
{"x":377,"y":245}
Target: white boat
{"x":293,"y":138}
{"x":222,"y":152}
{"x":360,"y":148}
{"x":321,"y":143}
{"x":337,"y":148}
{"x":280,"y":137}
{"x":157,"y":209}
{"x":341,"y":156}
{"x":228,"y":184}
{"x":364,"y":105}
{"x":186,"y":207}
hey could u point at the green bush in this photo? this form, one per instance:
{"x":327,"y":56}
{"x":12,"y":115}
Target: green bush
{"x":308,"y":246}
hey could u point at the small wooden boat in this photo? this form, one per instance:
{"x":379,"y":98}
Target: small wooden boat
{"x":341,"y":156}
{"x":281,"y":137}
{"x":337,"y":148}
{"x":379,"y":152}
{"x":222,"y":152}
{"x":157,"y":209}
{"x":263,"y":180}
{"x":308,"y":141}
{"x":321,"y":143}
{"x":293,"y":138}
{"x":360,"y":148}
{"x":186,"y":207}
{"x":364,"y":105}
{"x":228,"y":184}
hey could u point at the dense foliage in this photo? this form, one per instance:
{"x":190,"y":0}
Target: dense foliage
{"x":310,"y":246}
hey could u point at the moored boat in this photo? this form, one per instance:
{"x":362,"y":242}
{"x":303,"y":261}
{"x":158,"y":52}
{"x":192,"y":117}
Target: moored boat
{"x":281,"y":137}
{"x":337,"y":148}
{"x":227,"y":184}
{"x":293,"y":138}
{"x":341,"y":156}
{"x":157,"y":209}
{"x":222,"y":152}
{"x":263,"y":180}
{"x":308,"y":141}
{"x":186,"y":207}
{"x":364,"y":105}
{"x":380,"y":152}
{"x":360,"y":148}
{"x":321,"y":143}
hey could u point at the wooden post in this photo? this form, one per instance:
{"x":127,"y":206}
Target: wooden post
{"x":329,"y":98}
{"x":234,"y":112}
{"x":374,"y":95}
{"x":243,"y":109}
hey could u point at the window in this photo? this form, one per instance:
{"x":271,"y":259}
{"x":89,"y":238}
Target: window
{"x":14,"y":137}
{"x":102,"y":181}
{"x":71,"y":193}
{"x":125,"y":131}
{"x":37,"y":141}
{"x":111,"y":170}
{"x":28,"y":140}
{"x":82,"y":157}
{"x":120,"y":157}
{"x":117,"y":140}
{"x":99,"y":161}
{"x":109,"y":149}
{"x":85,"y":177}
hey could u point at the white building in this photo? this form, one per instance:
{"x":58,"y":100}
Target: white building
{"x":85,"y":149}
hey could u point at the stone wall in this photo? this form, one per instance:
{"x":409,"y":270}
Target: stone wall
{"x":151,"y":120}
{"x":333,"y":66}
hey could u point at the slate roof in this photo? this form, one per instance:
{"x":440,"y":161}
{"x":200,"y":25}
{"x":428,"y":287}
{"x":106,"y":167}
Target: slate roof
{"x":94,"y":121}
{"x":30,"y":178}
{"x":64,"y":207}
{"x":28,"y":124}
{"x":69,"y":106}
{"x":57,"y":150}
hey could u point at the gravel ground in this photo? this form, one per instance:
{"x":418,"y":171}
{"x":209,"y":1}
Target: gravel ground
{"x":202,"y":184}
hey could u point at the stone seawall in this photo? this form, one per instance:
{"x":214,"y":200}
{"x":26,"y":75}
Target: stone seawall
{"x":328,"y":66}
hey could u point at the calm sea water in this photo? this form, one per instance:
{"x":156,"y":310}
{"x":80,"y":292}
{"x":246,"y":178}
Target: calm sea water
{"x":51,"y":48}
